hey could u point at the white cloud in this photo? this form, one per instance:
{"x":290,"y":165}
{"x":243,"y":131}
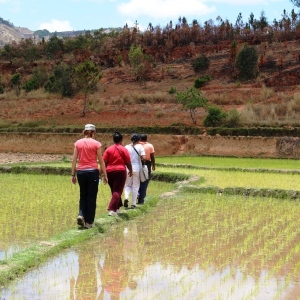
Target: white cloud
{"x":132,"y":24}
{"x":165,"y":8}
{"x":56,"y":25}
{"x":243,"y":2}
{"x":174,"y":8}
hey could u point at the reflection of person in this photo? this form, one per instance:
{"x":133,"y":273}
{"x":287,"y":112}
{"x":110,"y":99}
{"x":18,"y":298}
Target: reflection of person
{"x":150,"y":163}
{"x":121,"y":262}
{"x":86,"y":152}
{"x":116,"y":159}
{"x":85,"y":286}
{"x":132,"y":184}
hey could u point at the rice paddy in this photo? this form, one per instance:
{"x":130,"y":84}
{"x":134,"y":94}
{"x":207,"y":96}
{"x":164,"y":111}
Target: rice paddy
{"x":192,"y":245}
{"x":36,"y":207}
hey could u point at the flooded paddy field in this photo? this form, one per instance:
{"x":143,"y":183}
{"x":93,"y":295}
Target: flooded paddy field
{"x":34,"y":208}
{"x":191,"y":246}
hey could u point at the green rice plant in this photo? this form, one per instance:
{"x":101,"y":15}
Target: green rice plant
{"x":229,"y":162}
{"x":210,"y":244}
{"x":243,"y":179}
{"x":36,"y":207}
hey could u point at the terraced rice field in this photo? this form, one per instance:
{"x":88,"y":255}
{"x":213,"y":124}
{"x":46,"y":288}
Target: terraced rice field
{"x":192,"y":245}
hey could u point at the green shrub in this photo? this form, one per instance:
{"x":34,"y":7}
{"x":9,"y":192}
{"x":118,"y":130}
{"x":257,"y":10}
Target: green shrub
{"x":199,"y":82}
{"x":31,"y":85}
{"x":246,"y":63}
{"x":172,"y":90}
{"x":215,"y":117}
{"x":15,"y":81}
{"x":61,"y":81}
{"x":201,"y":63}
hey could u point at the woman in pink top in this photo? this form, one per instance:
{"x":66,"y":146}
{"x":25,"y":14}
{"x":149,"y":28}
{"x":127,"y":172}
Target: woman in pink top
{"x":87,"y":155}
{"x":116,"y":159}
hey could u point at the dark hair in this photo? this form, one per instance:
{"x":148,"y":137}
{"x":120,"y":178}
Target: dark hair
{"x":117,"y":138}
{"x":135,"y":137}
{"x":144,"y":137}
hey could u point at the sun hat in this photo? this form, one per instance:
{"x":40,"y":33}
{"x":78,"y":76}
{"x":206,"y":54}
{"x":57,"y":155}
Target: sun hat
{"x":90,"y":127}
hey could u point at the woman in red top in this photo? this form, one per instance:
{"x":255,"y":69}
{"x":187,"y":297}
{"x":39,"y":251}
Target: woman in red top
{"x":116,"y":158}
{"x":88,"y":154}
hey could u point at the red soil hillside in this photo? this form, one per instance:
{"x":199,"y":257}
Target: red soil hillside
{"x":121,"y":101}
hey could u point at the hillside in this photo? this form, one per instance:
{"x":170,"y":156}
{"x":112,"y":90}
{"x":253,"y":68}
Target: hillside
{"x":10,"y":34}
{"x":121,"y":101}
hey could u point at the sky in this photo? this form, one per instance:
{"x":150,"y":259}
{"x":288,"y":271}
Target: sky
{"x":68,"y":15}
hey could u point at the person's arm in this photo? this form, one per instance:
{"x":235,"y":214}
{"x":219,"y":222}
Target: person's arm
{"x":129,"y":167}
{"x":142,"y":153}
{"x":102,"y":165}
{"x":127,"y":161}
{"x":74,"y":161}
{"x":152,"y":161}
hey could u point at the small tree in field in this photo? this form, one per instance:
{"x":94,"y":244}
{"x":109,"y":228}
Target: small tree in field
{"x":16,"y":82}
{"x":190,"y":100}
{"x":141,"y":63}
{"x":87,"y":76}
{"x":246,"y":63}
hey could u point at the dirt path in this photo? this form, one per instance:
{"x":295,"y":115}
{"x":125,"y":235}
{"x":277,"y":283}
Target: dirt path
{"x":9,"y":158}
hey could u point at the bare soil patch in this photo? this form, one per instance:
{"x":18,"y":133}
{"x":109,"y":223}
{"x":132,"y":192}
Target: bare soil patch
{"x":10,"y":158}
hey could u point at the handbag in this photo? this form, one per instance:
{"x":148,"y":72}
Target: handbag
{"x":144,"y":174}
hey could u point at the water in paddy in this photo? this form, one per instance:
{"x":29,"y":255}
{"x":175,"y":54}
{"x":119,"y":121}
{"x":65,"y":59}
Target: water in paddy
{"x":199,"y":247}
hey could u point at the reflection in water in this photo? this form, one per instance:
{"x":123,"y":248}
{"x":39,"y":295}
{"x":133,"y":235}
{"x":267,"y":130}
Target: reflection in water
{"x":196,"y":249}
{"x":50,"y":281}
{"x":7,"y":251}
{"x":85,"y":285}
{"x":121,"y":261}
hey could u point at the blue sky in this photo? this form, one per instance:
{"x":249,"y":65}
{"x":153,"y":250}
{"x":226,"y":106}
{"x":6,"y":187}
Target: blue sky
{"x":65,"y":15}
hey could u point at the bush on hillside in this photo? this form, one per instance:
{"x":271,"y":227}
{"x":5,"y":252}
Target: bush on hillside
{"x":200,"y":82}
{"x":201,"y":63}
{"x":246,"y":63}
{"x":215,"y":117}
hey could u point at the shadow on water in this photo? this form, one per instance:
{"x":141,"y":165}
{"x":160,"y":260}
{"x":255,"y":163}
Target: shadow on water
{"x":181,"y":250}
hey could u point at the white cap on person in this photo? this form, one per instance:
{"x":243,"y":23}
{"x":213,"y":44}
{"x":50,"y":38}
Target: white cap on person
{"x":90,"y":127}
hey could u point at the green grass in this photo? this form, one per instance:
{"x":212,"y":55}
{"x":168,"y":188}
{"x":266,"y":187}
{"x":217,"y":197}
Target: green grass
{"x":202,"y":161}
{"x":232,"y":162}
{"x":225,"y":179}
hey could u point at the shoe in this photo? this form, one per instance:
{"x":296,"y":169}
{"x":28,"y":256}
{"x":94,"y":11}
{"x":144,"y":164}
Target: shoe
{"x":133,"y":206}
{"x":88,"y":225}
{"x":118,"y":211}
{"x":126,"y":203}
{"x":112,"y":213}
{"x":140,"y":203}
{"x":80,"y":220}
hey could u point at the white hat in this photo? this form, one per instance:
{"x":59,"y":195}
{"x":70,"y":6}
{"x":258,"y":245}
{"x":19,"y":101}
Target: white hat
{"x":90,"y":127}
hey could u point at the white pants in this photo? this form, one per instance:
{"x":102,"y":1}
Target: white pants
{"x":132,"y":186}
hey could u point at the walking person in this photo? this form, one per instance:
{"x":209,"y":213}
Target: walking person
{"x":150,"y":163}
{"x":117,"y":162}
{"x":87,"y":156}
{"x":132,"y":184}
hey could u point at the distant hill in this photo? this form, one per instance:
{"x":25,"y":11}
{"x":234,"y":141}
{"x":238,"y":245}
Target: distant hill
{"x":10,"y":33}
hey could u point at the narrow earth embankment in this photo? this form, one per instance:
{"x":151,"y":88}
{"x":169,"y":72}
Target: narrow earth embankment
{"x":62,"y":144}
